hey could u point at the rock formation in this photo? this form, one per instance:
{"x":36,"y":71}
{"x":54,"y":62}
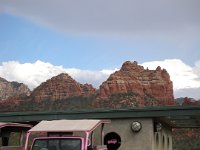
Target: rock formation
{"x":12,"y":89}
{"x":61,"y":87}
{"x":131,"y":86}
{"x":190,"y":101}
{"x":133,"y":78}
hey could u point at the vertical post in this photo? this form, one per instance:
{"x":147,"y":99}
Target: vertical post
{"x":86,"y":140}
{"x":21,"y":138}
{"x":26,"y":143}
{"x":102,"y":133}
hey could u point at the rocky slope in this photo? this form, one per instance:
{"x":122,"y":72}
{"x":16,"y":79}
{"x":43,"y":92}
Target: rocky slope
{"x":61,"y":87}
{"x":190,"y":101}
{"x":187,"y":101}
{"x":12,"y":89}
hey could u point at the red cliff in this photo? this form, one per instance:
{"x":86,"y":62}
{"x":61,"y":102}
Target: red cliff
{"x":133,"y":78}
{"x":61,"y":87}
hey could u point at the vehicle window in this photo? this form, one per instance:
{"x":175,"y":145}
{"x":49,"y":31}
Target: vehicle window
{"x":14,"y":139}
{"x":57,"y":144}
{"x":10,"y":139}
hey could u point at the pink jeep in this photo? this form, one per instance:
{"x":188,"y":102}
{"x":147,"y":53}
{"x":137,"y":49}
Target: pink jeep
{"x":67,"y":135}
{"x":12,"y":135}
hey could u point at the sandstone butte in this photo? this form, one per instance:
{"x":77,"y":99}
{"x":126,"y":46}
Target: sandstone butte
{"x":131,"y":79}
{"x":134,"y":78}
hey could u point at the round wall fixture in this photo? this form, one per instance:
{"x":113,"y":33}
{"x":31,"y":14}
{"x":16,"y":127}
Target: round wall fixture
{"x":112,"y":140}
{"x":136,"y":126}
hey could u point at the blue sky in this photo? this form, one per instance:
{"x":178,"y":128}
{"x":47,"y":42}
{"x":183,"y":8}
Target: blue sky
{"x":26,"y":41}
{"x":97,"y":37}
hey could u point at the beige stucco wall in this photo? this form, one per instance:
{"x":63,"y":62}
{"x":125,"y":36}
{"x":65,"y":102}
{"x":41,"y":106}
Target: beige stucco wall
{"x":146,"y":139}
{"x":143,"y":140}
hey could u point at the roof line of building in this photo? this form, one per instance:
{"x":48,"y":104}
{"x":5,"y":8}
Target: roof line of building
{"x":145,"y":112}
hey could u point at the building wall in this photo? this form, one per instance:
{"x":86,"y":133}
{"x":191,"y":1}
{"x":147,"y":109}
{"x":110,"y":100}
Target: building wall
{"x":163,"y":139}
{"x":148,"y":138}
{"x":142,"y":140}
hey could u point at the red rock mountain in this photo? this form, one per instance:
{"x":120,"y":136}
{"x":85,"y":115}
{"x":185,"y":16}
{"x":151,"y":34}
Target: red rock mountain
{"x":131,"y":86}
{"x":133,"y":78}
{"x":12,"y":89}
{"x":189,"y":101}
{"x":61,"y":87}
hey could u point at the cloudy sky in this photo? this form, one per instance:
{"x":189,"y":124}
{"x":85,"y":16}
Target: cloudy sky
{"x":89,"y":39}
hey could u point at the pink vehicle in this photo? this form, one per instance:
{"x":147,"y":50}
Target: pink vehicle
{"x":67,"y":135}
{"x":12,"y":135}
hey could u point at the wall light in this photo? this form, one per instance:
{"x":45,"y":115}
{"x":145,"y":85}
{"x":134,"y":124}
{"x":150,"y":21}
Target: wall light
{"x":136,"y":126}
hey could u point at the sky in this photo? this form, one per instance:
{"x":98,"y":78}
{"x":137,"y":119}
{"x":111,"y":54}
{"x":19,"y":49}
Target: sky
{"x":91,"y":39}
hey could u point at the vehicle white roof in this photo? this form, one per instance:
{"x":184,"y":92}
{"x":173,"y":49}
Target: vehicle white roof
{"x":67,"y":125}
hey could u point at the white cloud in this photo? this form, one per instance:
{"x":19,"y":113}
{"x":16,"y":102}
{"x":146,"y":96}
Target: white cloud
{"x":186,"y":79}
{"x":33,"y":74}
{"x":87,"y":76}
{"x":108,"y":71}
{"x":197,"y":68}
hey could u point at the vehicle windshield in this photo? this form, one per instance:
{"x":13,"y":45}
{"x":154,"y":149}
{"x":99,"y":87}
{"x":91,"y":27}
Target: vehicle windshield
{"x":57,"y":144}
